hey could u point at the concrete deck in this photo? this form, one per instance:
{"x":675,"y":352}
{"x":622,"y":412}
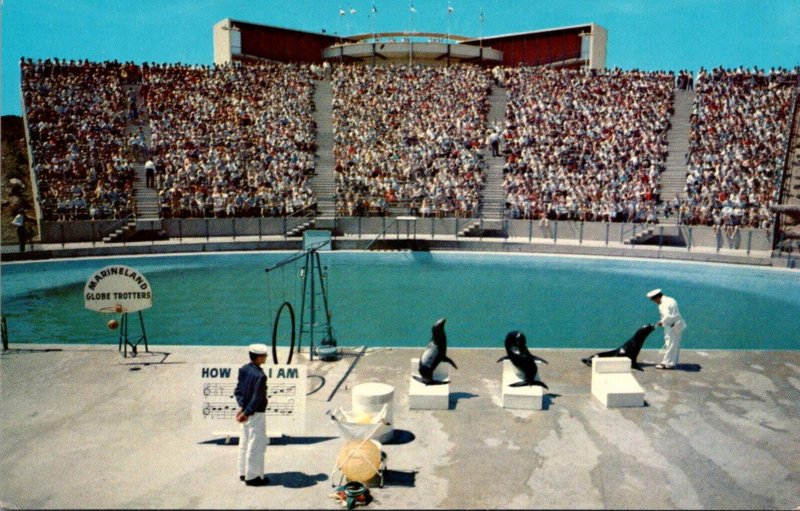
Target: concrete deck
{"x":82,"y":427}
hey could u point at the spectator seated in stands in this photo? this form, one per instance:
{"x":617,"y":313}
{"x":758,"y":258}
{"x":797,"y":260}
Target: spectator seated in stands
{"x":403,"y":134}
{"x":737,"y":147}
{"x":586,"y":144}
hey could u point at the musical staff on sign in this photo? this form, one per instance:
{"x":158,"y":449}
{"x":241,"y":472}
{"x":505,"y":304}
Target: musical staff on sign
{"x":219,"y":410}
{"x":281,"y":390}
{"x":219,"y":389}
{"x":280,"y":409}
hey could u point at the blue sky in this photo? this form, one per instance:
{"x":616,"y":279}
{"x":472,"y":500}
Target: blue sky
{"x":644,"y":34}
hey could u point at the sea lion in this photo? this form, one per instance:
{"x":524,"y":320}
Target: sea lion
{"x":523,"y":360}
{"x":630,"y":349}
{"x":434,"y":354}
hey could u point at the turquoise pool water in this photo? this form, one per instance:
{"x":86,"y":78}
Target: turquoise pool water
{"x":392,"y":299}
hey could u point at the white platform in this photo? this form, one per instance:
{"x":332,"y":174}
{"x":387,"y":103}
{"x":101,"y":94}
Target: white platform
{"x":520,"y":398}
{"x":428,"y":397}
{"x":613,"y":384}
{"x":369,"y":398}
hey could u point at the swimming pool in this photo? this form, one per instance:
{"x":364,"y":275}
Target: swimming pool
{"x":393,"y":298}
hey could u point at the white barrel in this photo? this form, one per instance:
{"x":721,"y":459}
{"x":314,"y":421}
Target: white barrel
{"x":369,"y":398}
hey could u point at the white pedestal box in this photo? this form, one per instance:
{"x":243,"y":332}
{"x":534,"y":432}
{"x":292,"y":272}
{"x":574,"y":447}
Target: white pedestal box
{"x":613,"y":384}
{"x":520,"y":398}
{"x":428,"y":397}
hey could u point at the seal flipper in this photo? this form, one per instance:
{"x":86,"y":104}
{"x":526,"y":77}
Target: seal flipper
{"x":429,"y":382}
{"x":449,"y":361}
{"x":529,"y":384}
{"x":540,"y":359}
{"x":587,"y":361}
{"x":503,"y":358}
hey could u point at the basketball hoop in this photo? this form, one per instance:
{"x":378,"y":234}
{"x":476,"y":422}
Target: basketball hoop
{"x":116,"y":309}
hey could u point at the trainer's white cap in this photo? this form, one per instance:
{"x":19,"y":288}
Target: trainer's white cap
{"x":258,"y":349}
{"x":652,"y":294}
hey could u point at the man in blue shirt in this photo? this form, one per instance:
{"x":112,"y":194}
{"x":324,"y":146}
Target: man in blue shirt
{"x":251,"y":394}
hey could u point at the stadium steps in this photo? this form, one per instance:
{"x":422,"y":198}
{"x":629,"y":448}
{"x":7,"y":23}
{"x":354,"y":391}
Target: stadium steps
{"x":323,"y":184}
{"x":146,"y":222}
{"x":641,"y":236}
{"x":493,"y":199}
{"x":300,"y":229}
{"x":147,"y":204}
{"x":122,"y":233}
{"x":673,"y":180}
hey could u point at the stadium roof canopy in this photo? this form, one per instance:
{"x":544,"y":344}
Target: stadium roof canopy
{"x":573,"y":46}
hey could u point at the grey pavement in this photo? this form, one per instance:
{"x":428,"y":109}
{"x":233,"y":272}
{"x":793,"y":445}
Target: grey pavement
{"x":83,"y":427}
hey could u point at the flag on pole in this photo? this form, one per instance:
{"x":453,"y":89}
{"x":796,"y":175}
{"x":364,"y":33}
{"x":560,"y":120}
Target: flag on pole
{"x":374,"y":10}
{"x":341,"y":12}
{"x":412,"y":8}
{"x":449,"y":8}
{"x":352,"y":11}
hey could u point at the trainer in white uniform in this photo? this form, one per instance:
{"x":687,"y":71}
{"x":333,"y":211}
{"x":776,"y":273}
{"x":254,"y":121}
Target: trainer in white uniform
{"x":673,"y":324}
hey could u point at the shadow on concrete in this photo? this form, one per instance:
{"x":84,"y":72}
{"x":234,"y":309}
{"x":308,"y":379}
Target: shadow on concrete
{"x":689,"y":368}
{"x":401,"y":437}
{"x":455,"y":397}
{"x":281,"y":440}
{"x":138,"y":360}
{"x":321,"y":383}
{"x":300,"y":440}
{"x":547,"y":398}
{"x":405,"y":478}
{"x":14,"y":351}
{"x":295,"y":479}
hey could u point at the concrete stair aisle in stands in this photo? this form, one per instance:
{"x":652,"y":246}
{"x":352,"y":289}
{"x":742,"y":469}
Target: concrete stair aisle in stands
{"x":147,"y":203}
{"x":493,"y":198}
{"x":323,"y":183}
{"x":673,"y":179}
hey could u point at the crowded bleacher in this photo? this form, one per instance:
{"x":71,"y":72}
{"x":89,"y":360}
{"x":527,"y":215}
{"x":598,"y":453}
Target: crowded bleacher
{"x":76,"y":113}
{"x":412,"y":136}
{"x":737,"y":146}
{"x":585,"y":145}
{"x":231,"y":140}
{"x":239,"y":140}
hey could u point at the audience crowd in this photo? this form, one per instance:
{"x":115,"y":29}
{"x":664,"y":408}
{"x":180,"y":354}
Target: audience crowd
{"x":585,"y":144}
{"x":410,"y":135}
{"x":234,"y":140}
{"x":76,"y":113}
{"x":239,"y":140}
{"x":739,"y":129}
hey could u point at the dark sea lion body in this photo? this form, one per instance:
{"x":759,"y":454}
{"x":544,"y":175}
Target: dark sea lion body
{"x":435,"y":353}
{"x":517,"y":352}
{"x":630,"y":348}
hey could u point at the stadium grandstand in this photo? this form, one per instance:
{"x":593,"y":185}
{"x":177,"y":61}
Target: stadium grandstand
{"x":501,"y":135}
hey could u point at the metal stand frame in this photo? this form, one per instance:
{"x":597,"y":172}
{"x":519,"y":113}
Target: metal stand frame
{"x":124,"y":341}
{"x":313,"y":268}
{"x":313,"y":275}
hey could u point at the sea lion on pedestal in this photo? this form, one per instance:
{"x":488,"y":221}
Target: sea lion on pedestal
{"x":434,"y":354}
{"x":630,"y":349}
{"x":522,"y":359}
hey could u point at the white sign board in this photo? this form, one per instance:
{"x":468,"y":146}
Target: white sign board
{"x":214,"y":405}
{"x":117,"y":288}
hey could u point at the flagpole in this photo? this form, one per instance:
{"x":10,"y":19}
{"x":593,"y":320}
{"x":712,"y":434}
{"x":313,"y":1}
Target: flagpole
{"x":372,"y":21}
{"x":449,"y":11}
{"x":481,"y":32}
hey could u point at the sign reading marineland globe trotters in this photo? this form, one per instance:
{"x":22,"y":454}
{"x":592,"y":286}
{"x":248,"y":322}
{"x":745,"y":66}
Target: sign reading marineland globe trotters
{"x":117,"y":288}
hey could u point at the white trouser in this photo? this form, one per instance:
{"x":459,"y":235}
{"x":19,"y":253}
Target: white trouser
{"x":252,"y":445}
{"x":672,"y":343}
